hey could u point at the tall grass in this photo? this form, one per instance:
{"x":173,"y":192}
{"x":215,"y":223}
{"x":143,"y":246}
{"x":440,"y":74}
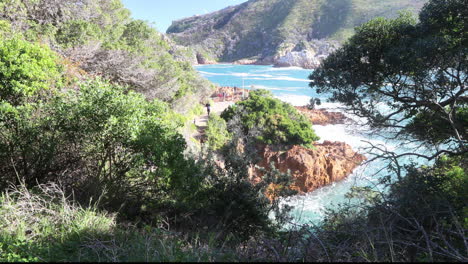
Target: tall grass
{"x":43,"y":224}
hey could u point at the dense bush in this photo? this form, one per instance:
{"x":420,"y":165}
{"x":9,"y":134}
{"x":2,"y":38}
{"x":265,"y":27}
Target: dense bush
{"x":278,"y":122}
{"x":216,"y":132}
{"x":102,"y":38}
{"x":102,"y":141}
{"x":104,"y":138}
{"x":233,"y":207}
{"x":77,"y":32}
{"x":25,"y":69}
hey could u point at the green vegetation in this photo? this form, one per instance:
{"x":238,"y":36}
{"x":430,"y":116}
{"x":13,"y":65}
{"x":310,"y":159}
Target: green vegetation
{"x":26,"y":68}
{"x":42,"y":225}
{"x":103,"y":140}
{"x":216,"y":132}
{"x":422,"y":219}
{"x":408,"y":79}
{"x":277,"y":122}
{"x":130,"y":190}
{"x":101,"y":38}
{"x":417,"y":70}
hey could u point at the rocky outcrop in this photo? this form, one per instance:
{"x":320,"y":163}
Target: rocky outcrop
{"x":305,"y":59}
{"x":308,"y":55}
{"x":202,"y":59}
{"x":311,"y":168}
{"x":323,"y":117}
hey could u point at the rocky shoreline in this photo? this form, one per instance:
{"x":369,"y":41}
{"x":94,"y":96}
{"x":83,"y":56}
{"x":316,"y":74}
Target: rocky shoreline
{"x":323,"y":117}
{"x":326,"y":163}
{"x":303,"y":59}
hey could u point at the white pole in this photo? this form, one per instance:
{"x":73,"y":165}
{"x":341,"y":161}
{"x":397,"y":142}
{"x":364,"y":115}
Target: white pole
{"x":243,"y":87}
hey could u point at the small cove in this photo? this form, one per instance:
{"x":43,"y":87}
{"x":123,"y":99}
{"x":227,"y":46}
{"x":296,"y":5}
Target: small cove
{"x":291,"y":85}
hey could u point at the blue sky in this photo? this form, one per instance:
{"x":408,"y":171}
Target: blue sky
{"x":163,"y":12}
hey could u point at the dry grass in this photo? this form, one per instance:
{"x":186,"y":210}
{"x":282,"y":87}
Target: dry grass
{"x":45,"y":225}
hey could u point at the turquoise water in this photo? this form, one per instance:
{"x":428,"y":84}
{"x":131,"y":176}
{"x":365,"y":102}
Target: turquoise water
{"x":291,"y":85}
{"x":283,"y":82}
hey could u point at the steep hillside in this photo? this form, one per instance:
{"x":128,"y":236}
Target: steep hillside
{"x":281,"y":32}
{"x":101,"y":38}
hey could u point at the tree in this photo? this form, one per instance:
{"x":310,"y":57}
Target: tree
{"x":407,"y":78}
{"x":313,"y":102}
{"x":100,"y":37}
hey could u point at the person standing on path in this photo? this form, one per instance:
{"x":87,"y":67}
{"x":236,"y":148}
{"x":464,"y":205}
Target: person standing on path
{"x":208,"y":108}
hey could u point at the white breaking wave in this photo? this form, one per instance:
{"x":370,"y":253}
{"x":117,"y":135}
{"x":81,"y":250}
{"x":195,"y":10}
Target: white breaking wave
{"x":216,"y":66}
{"x":282,"y":69}
{"x":280,"y":78}
{"x":261,"y":77}
{"x":287,"y":89}
{"x":296,"y":100}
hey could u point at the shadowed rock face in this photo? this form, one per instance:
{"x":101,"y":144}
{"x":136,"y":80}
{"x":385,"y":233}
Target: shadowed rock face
{"x":312,"y":168}
{"x":280,"y":32}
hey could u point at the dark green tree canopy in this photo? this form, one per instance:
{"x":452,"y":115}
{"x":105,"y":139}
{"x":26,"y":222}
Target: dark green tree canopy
{"x":277,"y":122}
{"x":407,"y":76}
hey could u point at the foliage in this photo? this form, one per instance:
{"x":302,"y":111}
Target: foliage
{"x":5,"y":27}
{"x":399,"y":74}
{"x":102,"y":39}
{"x":278,"y":122}
{"x":233,"y":206}
{"x":77,"y":33}
{"x":433,"y":127}
{"x":409,"y":78}
{"x":109,"y":138}
{"x":216,"y":132}
{"x":313,"y":102}
{"x":25,"y":69}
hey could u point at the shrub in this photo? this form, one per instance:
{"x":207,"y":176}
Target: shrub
{"x":25,"y":69}
{"x":5,"y":27}
{"x":216,"y":132}
{"x":278,"y":122}
{"x":104,"y":137}
{"x":77,"y":33}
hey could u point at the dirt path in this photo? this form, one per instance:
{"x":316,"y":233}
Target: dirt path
{"x":201,"y":122}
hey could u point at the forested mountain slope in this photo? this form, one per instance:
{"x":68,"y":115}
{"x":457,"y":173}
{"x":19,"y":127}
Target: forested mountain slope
{"x":267,"y":31}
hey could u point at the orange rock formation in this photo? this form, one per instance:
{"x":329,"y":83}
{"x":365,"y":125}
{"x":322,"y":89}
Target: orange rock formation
{"x":312,"y":168}
{"x":322,"y":116}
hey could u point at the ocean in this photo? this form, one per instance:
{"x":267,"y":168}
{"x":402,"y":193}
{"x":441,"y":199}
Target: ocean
{"x":292,"y":85}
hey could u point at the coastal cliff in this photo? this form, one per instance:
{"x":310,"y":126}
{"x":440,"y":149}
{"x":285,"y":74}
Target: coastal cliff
{"x":311,"y":168}
{"x":279,"y":32}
